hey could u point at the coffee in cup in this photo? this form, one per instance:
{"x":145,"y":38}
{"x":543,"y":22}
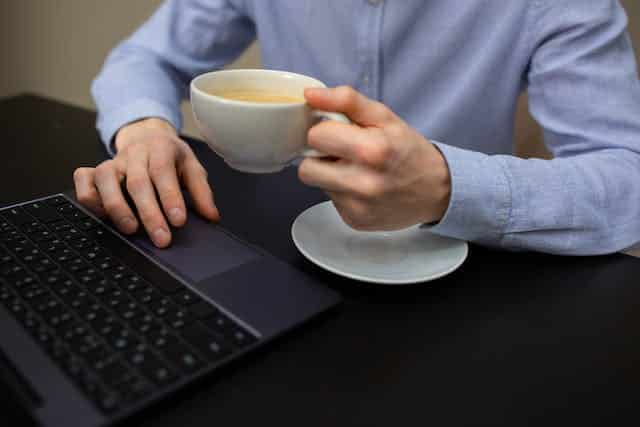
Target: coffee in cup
{"x":258,"y":96}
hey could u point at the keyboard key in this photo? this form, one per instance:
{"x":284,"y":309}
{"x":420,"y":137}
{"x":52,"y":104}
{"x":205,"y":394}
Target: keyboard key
{"x":43,"y":236}
{"x":33,"y":291}
{"x":102,"y":288}
{"x":20,"y":281}
{"x":182,"y":357}
{"x":43,"y":211}
{"x":6,"y":294}
{"x":56,"y":201}
{"x":5,"y":258}
{"x":17,"y":216}
{"x":53,"y":246}
{"x":133,"y":389}
{"x":163,"y":307}
{"x":86,"y":225}
{"x":92,"y":313}
{"x":76,"y":265}
{"x":146,"y":324}
{"x":210,"y":345}
{"x":113,"y":371}
{"x":202,"y":310}
{"x":161,"y":338}
{"x":186,"y":298}
{"x":105,"y":326}
{"x":178,"y":319}
{"x":121,"y":339}
{"x":107,"y":400}
{"x":95,"y":354}
{"x":153,"y":368}
{"x":32,"y":227}
{"x":43,"y":265}
{"x":10,"y":269}
{"x":147,"y":295}
{"x":231,"y":332}
{"x":59,"y":321}
{"x":60,"y":225}
{"x":130,"y":311}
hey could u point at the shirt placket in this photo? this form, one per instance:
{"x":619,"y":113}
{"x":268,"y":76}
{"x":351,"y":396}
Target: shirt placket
{"x":370,"y":48}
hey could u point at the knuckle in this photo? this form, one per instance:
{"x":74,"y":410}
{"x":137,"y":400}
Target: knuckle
{"x":370,"y":187}
{"x":194,"y":168}
{"x":396,"y":131}
{"x":347,"y":94}
{"x":171,"y":195}
{"x":160,"y":167}
{"x":378,"y":153}
{"x":105,"y":168}
{"x":135,"y":184}
{"x":382,"y":111}
{"x":132,"y":150}
{"x":81,"y":174}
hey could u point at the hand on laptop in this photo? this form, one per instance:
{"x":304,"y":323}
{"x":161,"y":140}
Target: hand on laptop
{"x":383,"y":175}
{"x":150,"y":157}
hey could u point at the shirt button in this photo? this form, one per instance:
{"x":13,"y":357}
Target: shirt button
{"x":365,"y":79}
{"x":374,"y":2}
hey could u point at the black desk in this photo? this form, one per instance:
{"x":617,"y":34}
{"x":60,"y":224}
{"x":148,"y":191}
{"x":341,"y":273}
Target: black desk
{"x":509,"y":339}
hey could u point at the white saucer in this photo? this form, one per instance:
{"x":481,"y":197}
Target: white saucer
{"x":399,"y":257}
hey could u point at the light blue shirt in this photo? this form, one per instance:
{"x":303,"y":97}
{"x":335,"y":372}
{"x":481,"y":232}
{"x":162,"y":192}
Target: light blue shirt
{"x":453,"y":69}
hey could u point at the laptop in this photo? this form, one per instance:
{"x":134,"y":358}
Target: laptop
{"x":95,"y":326}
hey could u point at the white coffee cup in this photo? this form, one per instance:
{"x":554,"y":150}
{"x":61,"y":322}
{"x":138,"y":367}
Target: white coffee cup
{"x":251,"y":136}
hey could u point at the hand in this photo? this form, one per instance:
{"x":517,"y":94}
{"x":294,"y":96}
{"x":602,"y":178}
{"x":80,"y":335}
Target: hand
{"x":382,"y":174}
{"x":150,"y":157}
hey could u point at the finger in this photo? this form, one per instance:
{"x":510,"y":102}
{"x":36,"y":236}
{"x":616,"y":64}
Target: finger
{"x":108,"y":176}
{"x":140,"y":188}
{"x":348,"y":101}
{"x":86,"y":191}
{"x":194,"y":177}
{"x":340,"y":140}
{"x":163,"y":173}
{"x":325,"y":174}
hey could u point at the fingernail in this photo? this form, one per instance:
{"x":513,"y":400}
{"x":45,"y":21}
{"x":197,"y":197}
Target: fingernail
{"x":161,"y":237}
{"x":176,"y":215}
{"x":127,"y":223}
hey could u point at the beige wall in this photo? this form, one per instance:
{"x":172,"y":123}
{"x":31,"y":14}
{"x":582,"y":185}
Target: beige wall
{"x":55,"y":47}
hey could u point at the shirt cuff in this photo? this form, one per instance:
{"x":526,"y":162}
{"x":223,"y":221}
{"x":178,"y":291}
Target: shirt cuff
{"x":480,"y":202}
{"x":109,"y":123}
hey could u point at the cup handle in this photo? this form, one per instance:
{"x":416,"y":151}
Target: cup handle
{"x":323,"y":115}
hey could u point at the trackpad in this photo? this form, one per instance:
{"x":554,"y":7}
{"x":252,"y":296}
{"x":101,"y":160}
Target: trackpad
{"x":199,"y":250}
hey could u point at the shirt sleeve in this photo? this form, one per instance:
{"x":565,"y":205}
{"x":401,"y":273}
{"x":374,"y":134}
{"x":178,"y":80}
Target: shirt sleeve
{"x":584,"y":91}
{"x":147,"y":75}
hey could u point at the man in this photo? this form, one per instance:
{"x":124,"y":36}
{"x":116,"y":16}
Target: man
{"x":434,"y":91}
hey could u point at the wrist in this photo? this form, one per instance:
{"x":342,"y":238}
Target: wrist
{"x":125,"y":135}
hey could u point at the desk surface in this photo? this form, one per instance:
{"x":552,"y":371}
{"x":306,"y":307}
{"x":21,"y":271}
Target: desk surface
{"x":509,"y":339}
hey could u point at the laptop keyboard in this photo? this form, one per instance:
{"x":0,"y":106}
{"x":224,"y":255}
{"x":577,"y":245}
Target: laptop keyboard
{"x":120,"y":327}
